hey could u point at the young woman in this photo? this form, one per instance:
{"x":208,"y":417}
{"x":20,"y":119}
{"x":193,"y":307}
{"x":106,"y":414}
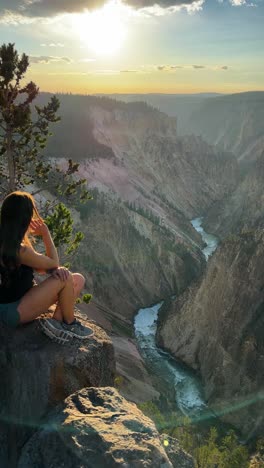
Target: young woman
{"x":21,"y":300}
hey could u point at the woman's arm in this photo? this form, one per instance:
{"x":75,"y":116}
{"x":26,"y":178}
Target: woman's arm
{"x":51,"y":250}
{"x":28,"y":256}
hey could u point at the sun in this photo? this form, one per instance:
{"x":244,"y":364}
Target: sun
{"x":103,"y":30}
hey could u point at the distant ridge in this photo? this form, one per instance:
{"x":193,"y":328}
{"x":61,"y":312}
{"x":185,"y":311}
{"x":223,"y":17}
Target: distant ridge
{"x":159,"y":94}
{"x":234,"y":122}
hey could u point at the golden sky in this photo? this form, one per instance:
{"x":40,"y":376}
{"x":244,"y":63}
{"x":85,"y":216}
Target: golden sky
{"x":84,"y":47}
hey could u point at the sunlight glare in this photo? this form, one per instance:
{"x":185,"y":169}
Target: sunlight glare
{"x":103,"y":30}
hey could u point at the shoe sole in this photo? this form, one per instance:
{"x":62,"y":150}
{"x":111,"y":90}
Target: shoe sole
{"x":57,"y":338}
{"x":80,"y":337}
{"x":65,"y":335}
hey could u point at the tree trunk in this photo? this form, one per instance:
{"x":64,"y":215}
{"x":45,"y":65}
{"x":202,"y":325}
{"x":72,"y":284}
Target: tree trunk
{"x":11,"y":162}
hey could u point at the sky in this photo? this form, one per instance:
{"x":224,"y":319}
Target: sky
{"x":138,"y":46}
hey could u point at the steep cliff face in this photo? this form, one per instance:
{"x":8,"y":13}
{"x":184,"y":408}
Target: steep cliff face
{"x":242,"y":209}
{"x":233,"y":122}
{"x":184,"y":172}
{"x":36,"y":374}
{"x":217,"y":328}
{"x":129,"y":260}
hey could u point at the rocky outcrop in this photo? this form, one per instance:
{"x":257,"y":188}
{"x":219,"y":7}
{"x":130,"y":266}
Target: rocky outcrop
{"x":96,"y":427}
{"x":217,"y":328}
{"x":36,"y":374}
{"x":257,"y":461}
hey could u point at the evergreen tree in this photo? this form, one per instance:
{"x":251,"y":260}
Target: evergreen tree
{"x":23,"y":139}
{"x":24,"y":130}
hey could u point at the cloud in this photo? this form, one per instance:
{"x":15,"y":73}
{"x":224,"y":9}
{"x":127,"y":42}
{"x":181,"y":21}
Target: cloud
{"x":128,"y":71}
{"x":86,"y":60}
{"x":238,"y":2}
{"x":52,"y":44}
{"x":16,"y":10}
{"x":10,"y":18}
{"x":242,"y":2}
{"x":161,"y":3}
{"x":48,"y":59}
{"x":168,"y":67}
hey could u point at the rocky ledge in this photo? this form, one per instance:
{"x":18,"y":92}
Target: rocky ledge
{"x":36,"y":374}
{"x":96,"y":427}
{"x":58,"y":407}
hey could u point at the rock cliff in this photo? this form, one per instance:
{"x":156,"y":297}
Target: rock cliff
{"x":96,"y":427}
{"x":36,"y":374}
{"x":130,"y":261}
{"x":217,"y":328}
{"x":58,"y":407}
{"x":234,"y":122}
{"x":242,"y":209}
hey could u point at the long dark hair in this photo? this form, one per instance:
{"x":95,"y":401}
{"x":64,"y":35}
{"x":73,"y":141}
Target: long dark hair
{"x":18,"y":209}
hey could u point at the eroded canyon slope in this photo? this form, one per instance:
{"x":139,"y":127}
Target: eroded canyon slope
{"x":244,"y":208}
{"x":217,"y":328}
{"x":233,"y":122}
{"x":147,"y":184}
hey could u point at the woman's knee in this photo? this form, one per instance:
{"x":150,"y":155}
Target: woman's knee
{"x":69,"y":280}
{"x":78,"y":280}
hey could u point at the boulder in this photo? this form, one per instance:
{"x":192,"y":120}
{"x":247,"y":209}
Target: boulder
{"x":97,"y":427}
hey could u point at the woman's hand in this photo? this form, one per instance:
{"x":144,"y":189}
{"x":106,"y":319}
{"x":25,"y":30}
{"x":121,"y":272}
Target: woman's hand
{"x":38,"y":227}
{"x":61,"y":273}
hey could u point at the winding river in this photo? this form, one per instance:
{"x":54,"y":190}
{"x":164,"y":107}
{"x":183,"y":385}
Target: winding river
{"x":186,"y":386}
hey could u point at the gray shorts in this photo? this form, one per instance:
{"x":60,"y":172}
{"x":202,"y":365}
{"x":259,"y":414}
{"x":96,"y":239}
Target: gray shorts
{"x":9,"y":314}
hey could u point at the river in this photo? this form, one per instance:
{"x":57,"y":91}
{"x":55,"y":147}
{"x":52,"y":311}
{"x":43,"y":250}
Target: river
{"x":187,"y":387}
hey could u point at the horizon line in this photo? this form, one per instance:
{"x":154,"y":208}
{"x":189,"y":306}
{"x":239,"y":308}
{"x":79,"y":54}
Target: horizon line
{"x":154,"y":93}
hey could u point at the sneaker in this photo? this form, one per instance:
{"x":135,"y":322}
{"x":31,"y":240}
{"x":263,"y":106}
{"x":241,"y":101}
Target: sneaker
{"x":53,"y":329}
{"x":78,"y":330}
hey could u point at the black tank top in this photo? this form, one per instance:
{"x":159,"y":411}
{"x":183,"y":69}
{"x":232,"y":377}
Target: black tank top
{"x":15,"y":283}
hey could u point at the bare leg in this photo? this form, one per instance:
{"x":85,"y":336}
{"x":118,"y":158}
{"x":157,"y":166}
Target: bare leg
{"x":78,"y":284}
{"x":39,"y":298}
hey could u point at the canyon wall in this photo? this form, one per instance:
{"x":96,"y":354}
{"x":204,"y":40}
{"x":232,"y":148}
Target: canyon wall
{"x":217,"y":327}
{"x":147,"y":184}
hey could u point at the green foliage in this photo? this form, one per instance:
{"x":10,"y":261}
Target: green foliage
{"x":151,"y":410}
{"x":208,"y":455}
{"x":119,"y":382}
{"x":60,"y":223}
{"x":21,"y":139}
{"x":143,"y":212}
{"x":213,"y":452}
{"x":260,"y":446}
{"x":86,"y":298}
{"x":209,"y":450}
{"x":233,"y":454}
